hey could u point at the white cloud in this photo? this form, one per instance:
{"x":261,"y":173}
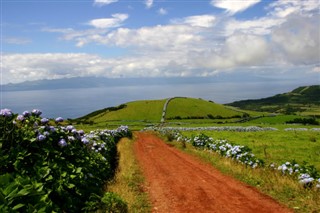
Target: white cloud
{"x":148,"y":3}
{"x":115,"y":21}
{"x":162,"y":11}
{"x":103,"y":2}
{"x":232,"y":6}
{"x":261,"y":26}
{"x":238,"y":50}
{"x":297,"y":39}
{"x":15,"y":40}
{"x":283,"y":8}
{"x":205,"y":21}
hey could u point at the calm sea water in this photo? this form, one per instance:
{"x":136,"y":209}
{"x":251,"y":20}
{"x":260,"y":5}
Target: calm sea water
{"x":73,"y":103}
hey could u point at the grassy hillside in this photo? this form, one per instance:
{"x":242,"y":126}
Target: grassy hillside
{"x":303,"y":100}
{"x":191,"y":108}
{"x":146,"y":110}
{"x":149,"y":112}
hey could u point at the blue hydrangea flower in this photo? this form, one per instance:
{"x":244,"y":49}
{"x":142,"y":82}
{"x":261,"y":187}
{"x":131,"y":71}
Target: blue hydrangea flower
{"x":62,"y":143}
{"x":41,"y":137}
{"x":20,"y":118}
{"x":59,"y":119}
{"x":36,"y":112}
{"x":6,"y":112}
{"x":44,"y":120}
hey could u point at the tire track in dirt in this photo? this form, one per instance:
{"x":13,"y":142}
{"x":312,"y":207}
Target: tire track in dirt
{"x":177,"y":182}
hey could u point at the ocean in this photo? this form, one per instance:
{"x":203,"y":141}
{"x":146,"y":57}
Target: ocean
{"x":73,"y":103}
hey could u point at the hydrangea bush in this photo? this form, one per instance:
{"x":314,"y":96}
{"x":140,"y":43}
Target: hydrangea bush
{"x":46,"y":166}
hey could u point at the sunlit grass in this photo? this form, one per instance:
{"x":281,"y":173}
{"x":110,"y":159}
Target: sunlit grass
{"x":129,"y":181}
{"x":276,"y":146}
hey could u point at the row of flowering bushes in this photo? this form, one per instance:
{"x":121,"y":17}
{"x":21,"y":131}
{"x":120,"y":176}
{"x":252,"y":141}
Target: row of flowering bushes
{"x":231,"y":129}
{"x":305,"y":174}
{"x":48,"y":167}
{"x":242,"y":154}
{"x":217,"y":128}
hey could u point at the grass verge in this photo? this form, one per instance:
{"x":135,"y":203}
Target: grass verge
{"x":283,"y":189}
{"x":129,"y":179}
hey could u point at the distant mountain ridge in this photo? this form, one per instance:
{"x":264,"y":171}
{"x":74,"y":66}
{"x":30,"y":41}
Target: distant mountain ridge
{"x":304,"y":95}
{"x":94,"y":82}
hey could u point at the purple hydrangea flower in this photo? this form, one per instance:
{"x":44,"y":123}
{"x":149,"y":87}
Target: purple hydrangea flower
{"x":36,"y":112}
{"x":44,"y":120}
{"x":20,"y":118}
{"x":62,"y":143}
{"x":81,"y":132}
{"x":59,"y":119}
{"x":85,"y":140}
{"x":41,"y":137}
{"x":6,"y":112}
{"x":26,"y":114}
{"x":52,"y":129}
{"x":74,"y":131}
{"x":70,"y":128}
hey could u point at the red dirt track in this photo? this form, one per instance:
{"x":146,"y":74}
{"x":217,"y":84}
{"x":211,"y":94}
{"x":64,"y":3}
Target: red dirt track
{"x":177,"y":182}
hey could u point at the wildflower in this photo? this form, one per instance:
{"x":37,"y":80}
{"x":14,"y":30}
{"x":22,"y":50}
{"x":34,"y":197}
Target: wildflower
{"x":6,"y":112}
{"x":62,"y":143}
{"x":36,"y":112}
{"x":59,"y":119}
{"x":20,"y":118}
{"x":81,"y":132}
{"x":44,"y":120}
{"x":41,"y":137}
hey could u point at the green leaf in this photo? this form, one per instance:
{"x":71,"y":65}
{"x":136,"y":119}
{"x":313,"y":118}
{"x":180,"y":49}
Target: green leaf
{"x":79,"y":170}
{"x":71,"y":185}
{"x":64,"y":174}
{"x":20,"y":205}
{"x":23,"y":192}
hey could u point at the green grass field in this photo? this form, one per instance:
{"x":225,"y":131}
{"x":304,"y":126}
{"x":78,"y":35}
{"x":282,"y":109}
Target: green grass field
{"x":276,"y":146}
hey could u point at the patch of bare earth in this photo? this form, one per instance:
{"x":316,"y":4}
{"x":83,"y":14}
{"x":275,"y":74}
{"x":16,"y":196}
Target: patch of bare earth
{"x":177,"y":182}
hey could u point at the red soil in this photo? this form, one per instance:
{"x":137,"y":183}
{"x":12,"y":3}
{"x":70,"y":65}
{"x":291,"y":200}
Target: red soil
{"x":177,"y":182}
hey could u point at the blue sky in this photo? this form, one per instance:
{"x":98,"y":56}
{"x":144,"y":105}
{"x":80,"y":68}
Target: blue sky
{"x":164,"y":38}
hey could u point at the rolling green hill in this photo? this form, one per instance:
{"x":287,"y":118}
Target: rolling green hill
{"x":191,"y":108}
{"x":145,"y":112}
{"x":302,"y":100}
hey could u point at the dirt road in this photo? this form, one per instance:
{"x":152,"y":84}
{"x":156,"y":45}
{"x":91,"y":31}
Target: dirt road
{"x":178,"y":182}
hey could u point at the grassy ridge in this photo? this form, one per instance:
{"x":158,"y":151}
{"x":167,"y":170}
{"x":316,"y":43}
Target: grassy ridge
{"x":145,"y":110}
{"x":299,"y":100}
{"x":191,"y":107}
